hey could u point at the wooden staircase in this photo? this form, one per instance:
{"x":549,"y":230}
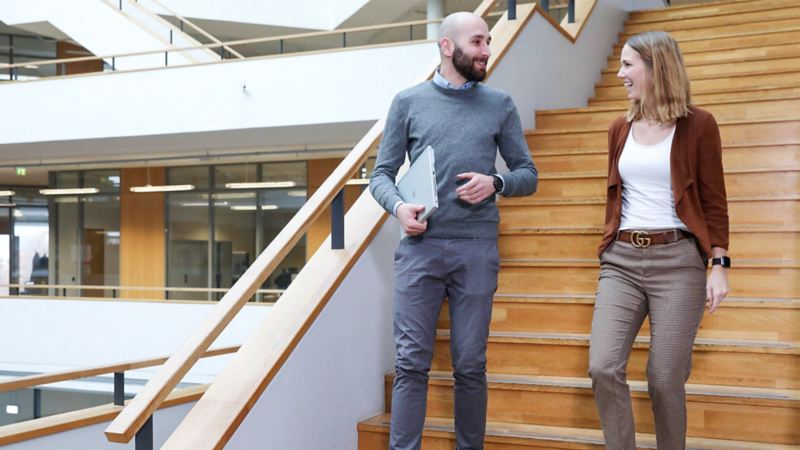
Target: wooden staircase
{"x":744,"y":392}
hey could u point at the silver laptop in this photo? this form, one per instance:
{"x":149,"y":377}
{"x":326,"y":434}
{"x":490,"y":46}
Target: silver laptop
{"x":418,"y":185}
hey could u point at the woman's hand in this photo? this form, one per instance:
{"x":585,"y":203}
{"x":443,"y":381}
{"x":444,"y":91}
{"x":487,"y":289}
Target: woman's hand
{"x":716,"y":287}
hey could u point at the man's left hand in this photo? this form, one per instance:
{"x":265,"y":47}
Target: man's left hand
{"x":477,"y":189}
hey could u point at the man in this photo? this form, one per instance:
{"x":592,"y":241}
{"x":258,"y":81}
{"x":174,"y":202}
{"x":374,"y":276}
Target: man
{"x":453,"y":254}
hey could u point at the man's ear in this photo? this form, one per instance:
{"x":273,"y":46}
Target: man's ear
{"x":446,"y":46}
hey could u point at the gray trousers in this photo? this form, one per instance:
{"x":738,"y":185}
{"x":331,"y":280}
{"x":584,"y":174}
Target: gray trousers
{"x":667,"y":283}
{"x":426,"y":271}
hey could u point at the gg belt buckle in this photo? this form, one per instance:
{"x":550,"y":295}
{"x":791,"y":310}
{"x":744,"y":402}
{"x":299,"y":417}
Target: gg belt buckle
{"x":640,"y":239}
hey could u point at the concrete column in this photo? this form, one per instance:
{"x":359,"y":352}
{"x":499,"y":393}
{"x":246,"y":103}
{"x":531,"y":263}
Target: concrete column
{"x":435,"y":11}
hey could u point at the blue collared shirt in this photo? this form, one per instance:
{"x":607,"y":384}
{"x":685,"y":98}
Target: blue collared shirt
{"x":442,"y":82}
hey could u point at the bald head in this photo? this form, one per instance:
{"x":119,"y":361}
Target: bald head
{"x":455,"y":25}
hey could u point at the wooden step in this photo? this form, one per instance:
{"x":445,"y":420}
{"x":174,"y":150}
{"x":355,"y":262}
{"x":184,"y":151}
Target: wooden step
{"x":770,"y":364}
{"x":581,"y":213}
{"x":727,"y":85}
{"x":705,"y":9}
{"x":781,"y":24}
{"x":737,"y":318}
{"x":701,"y":99}
{"x":725,"y":69}
{"x":780,"y":243}
{"x":738,"y":183}
{"x":752,"y":132}
{"x":710,"y":46}
{"x":439,"y":434}
{"x":731,"y":109}
{"x":748,"y":414}
{"x":714,"y":21}
{"x":770,"y":279}
{"x":734,"y":157}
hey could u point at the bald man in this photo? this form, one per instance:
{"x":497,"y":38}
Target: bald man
{"x":453,"y":253}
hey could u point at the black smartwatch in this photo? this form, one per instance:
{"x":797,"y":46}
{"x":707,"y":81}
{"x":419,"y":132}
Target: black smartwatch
{"x":498,"y":184}
{"x":724,"y":262}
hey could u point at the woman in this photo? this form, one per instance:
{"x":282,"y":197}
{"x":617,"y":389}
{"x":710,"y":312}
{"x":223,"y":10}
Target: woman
{"x":666,"y":214}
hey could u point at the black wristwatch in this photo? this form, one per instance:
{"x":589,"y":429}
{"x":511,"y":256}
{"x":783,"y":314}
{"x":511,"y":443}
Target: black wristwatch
{"x":498,"y":184}
{"x":724,"y":262}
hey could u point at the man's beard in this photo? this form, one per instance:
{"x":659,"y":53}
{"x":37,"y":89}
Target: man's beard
{"x":465,"y":66}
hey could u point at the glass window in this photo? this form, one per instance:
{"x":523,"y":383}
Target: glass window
{"x":196,"y":175}
{"x":30,"y":247}
{"x":237,"y":173}
{"x":188,"y":230}
{"x":285,"y":171}
{"x":234,"y":236}
{"x":100,"y":259}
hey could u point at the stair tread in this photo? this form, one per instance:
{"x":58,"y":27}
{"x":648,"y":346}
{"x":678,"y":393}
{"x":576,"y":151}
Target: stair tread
{"x":524,"y":201}
{"x":636,"y":385}
{"x":515,"y":231}
{"x":594,"y":262}
{"x":694,"y":65}
{"x":604,"y":129}
{"x":746,"y":6}
{"x":603,"y":173}
{"x":622,"y":109}
{"x":604,"y":150}
{"x":521,"y":433}
{"x":734,"y":302}
{"x":759,"y":345}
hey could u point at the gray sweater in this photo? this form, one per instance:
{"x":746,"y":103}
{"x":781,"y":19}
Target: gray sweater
{"x":465,"y":128}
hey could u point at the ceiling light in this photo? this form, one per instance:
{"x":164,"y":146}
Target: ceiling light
{"x":357,"y":182}
{"x":8,"y":205}
{"x":7,"y":193}
{"x":162,"y":188}
{"x":269,"y":207}
{"x":231,"y":195}
{"x":69,"y":191}
{"x":261,"y":185}
{"x":297,"y":193}
{"x":243,"y":207}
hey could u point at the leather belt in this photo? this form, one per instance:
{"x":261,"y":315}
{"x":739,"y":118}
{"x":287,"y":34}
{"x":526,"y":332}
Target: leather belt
{"x":644,"y":239}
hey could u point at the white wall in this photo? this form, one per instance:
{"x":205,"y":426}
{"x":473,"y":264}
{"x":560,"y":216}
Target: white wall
{"x":333,"y":87}
{"x":92,"y":437}
{"x":334,"y":378}
{"x":544,"y":70}
{"x":52,"y":335}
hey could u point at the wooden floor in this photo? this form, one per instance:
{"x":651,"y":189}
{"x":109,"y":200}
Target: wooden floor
{"x":744,"y":392}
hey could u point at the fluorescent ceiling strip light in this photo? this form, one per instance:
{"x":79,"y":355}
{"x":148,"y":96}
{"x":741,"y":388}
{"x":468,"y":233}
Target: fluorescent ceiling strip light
{"x":8,"y":205}
{"x":357,"y":182}
{"x":69,"y":191}
{"x":7,"y":193}
{"x":163,"y":188}
{"x":297,"y":193}
{"x":261,"y":185}
{"x":253,"y":207}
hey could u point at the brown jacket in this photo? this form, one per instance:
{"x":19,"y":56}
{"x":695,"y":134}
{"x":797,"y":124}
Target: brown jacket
{"x":698,"y":184}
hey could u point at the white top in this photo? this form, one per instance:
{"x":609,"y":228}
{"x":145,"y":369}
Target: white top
{"x":647,"y":199}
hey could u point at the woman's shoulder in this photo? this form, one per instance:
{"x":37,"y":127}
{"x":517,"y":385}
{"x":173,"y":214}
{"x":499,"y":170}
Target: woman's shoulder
{"x":617,"y":124}
{"x":700,"y":117}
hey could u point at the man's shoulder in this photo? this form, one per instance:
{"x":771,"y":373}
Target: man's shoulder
{"x":417,"y":90}
{"x":493,"y":92}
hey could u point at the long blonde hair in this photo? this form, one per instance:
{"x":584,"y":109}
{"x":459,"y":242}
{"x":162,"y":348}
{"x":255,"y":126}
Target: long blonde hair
{"x":668,"y":97}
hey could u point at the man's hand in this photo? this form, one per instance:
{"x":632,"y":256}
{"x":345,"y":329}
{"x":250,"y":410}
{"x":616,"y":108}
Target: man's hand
{"x":477,"y":189}
{"x":407,"y":215}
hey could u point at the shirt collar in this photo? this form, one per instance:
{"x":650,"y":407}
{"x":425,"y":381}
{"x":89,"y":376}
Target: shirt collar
{"x":442,"y":82}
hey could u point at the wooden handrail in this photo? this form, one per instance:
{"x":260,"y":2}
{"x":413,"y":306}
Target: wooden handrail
{"x":67,"y":375}
{"x":228,"y":43}
{"x":141,"y":407}
{"x":96,"y":287}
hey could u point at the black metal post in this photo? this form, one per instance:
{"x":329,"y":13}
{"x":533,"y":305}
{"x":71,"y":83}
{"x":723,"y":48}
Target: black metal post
{"x":280,"y":46}
{"x":571,"y":11}
{"x":344,"y":40}
{"x":170,"y":36}
{"x":119,"y":388}
{"x":37,"y":403}
{"x":166,"y":59}
{"x":512,"y":9}
{"x":144,"y":437}
{"x":113,"y":63}
{"x":411,"y":32}
{"x":545,"y":5}
{"x":337,"y":221}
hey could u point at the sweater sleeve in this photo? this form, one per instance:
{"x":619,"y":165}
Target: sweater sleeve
{"x":711,"y":183}
{"x":391,"y":155}
{"x":523,"y":176}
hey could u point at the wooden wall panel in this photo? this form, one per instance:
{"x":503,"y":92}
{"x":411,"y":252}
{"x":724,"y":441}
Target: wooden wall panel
{"x":142,"y":248}
{"x":65,"y":50}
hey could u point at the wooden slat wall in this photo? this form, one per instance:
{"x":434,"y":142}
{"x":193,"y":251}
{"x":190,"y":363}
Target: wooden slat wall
{"x":142,"y":250}
{"x":318,"y":171}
